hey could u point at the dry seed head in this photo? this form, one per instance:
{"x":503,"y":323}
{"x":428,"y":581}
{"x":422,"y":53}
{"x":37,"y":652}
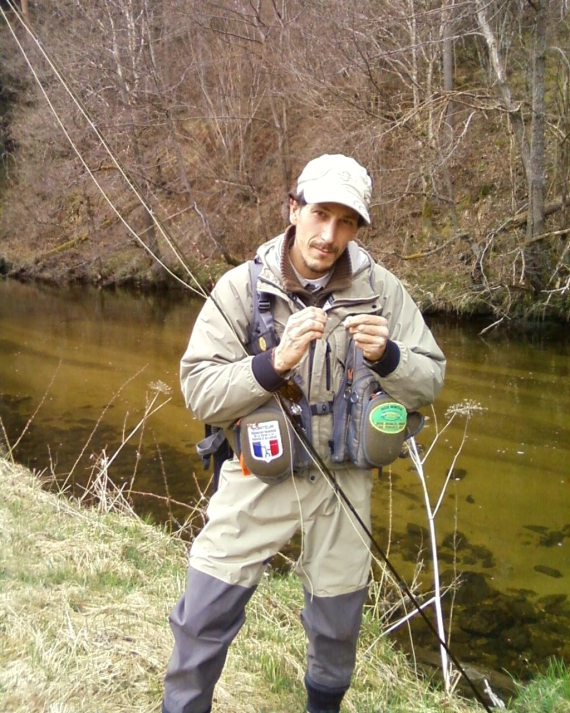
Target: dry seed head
{"x":467,"y":407}
{"x":160,"y":387}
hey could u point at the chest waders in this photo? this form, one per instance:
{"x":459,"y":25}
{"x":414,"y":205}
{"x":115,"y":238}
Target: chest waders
{"x":364,"y":411}
{"x":369,"y":427}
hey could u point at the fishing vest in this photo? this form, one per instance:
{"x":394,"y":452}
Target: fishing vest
{"x":369,"y":427}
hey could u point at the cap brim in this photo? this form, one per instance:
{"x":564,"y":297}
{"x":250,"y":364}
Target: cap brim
{"x":335,"y":194}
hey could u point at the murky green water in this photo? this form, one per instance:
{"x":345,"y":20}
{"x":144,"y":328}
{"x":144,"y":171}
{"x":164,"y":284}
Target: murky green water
{"x":92,"y":356}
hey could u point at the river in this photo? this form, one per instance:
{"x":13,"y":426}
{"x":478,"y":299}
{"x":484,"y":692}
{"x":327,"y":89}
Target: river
{"x":79,"y":365}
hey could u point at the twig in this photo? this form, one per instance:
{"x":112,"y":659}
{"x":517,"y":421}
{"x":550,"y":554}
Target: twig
{"x":103,"y":412}
{"x":465,"y":408}
{"x":6,"y":439}
{"x":415,"y":456}
{"x":408,"y":616}
{"x":29,"y":422}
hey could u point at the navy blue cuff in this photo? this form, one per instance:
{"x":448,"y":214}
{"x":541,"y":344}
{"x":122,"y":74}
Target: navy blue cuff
{"x":388,"y":362}
{"x":264,"y":372}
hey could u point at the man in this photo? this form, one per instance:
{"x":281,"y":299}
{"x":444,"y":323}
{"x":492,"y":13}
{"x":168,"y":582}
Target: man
{"x":324,"y":290}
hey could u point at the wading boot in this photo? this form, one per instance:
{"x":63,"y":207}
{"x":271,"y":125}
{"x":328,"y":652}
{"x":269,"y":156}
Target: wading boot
{"x":323,"y":700}
{"x":165,"y":709}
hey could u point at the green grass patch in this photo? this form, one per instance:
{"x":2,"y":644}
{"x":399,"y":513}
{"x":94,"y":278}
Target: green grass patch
{"x":547,"y":693}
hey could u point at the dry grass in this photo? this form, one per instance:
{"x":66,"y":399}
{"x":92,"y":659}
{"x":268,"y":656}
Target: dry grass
{"x":84,"y":601}
{"x":83,"y":604}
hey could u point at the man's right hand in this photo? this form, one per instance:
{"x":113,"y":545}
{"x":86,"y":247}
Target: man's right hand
{"x":301,"y":329}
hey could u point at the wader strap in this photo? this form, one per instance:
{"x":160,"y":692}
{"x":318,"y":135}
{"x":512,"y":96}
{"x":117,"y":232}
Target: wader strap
{"x":261,"y":336}
{"x":321,"y":408}
{"x":261,"y":332}
{"x":209,"y":445}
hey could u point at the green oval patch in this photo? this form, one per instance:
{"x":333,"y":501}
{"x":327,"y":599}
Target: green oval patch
{"x":389,"y":417}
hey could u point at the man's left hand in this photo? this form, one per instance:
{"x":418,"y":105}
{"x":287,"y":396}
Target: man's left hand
{"x":370,"y":333}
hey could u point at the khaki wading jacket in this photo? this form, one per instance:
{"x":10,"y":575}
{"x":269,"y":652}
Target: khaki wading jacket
{"x":221,"y":382}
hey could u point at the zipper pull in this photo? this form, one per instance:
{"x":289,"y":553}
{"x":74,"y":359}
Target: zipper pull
{"x":350,"y":379}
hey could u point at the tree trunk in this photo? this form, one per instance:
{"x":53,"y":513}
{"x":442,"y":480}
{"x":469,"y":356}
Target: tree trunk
{"x":536,"y":257}
{"x":26,"y":11}
{"x":447,"y":62}
{"x":536,"y":181}
{"x":499,"y":70}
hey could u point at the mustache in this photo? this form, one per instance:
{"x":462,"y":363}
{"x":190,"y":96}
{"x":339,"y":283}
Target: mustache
{"x":324,"y":248}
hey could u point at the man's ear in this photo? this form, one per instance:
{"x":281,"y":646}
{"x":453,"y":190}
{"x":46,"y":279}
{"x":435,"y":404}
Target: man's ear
{"x":294,"y":209}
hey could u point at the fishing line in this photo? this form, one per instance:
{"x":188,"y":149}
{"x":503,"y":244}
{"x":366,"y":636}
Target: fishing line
{"x":299,"y":561}
{"x":200,"y":290}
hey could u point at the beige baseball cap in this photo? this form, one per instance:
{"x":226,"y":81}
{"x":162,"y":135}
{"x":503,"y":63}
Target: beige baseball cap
{"x":334,"y":178}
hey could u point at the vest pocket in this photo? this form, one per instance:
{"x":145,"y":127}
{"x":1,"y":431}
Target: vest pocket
{"x":267,"y":445}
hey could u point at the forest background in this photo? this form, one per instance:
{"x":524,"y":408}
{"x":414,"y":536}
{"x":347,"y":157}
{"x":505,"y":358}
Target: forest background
{"x":460,"y":111}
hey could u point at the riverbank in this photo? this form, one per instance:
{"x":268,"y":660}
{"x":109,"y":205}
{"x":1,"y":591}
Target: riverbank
{"x":84,"y":602}
{"x":436,"y":292}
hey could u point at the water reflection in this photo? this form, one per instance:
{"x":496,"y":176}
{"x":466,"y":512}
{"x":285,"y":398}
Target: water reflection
{"x":103,"y":351}
{"x":505,"y":518}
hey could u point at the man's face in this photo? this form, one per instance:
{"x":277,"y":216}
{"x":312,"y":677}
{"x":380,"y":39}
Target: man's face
{"x":323,"y":230}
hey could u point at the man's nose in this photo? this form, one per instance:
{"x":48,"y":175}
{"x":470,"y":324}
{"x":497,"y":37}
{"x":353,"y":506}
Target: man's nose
{"x":329,"y":230}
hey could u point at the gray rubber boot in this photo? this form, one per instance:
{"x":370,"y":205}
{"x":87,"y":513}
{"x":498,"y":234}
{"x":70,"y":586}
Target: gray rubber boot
{"x":332,"y":625}
{"x":204,"y":622}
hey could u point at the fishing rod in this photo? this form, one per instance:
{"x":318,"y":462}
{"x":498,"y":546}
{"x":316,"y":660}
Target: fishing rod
{"x":202,"y":292}
{"x":333,"y":482}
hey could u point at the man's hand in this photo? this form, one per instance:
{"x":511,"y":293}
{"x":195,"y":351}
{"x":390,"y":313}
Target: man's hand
{"x":301,"y":329}
{"x":370,"y":333}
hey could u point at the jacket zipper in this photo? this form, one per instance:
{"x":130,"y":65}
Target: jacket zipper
{"x":311,"y":363}
{"x":328,"y":367}
{"x":348,"y":396}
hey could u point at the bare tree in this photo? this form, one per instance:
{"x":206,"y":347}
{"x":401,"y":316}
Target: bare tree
{"x":214,"y":105}
{"x":534,"y":253}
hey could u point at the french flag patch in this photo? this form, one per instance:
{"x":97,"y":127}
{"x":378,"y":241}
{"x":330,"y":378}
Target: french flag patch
{"x":265,"y":441}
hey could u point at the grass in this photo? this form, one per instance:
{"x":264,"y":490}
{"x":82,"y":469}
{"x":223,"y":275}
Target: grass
{"x":546,"y":694}
{"x":84,"y":600}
